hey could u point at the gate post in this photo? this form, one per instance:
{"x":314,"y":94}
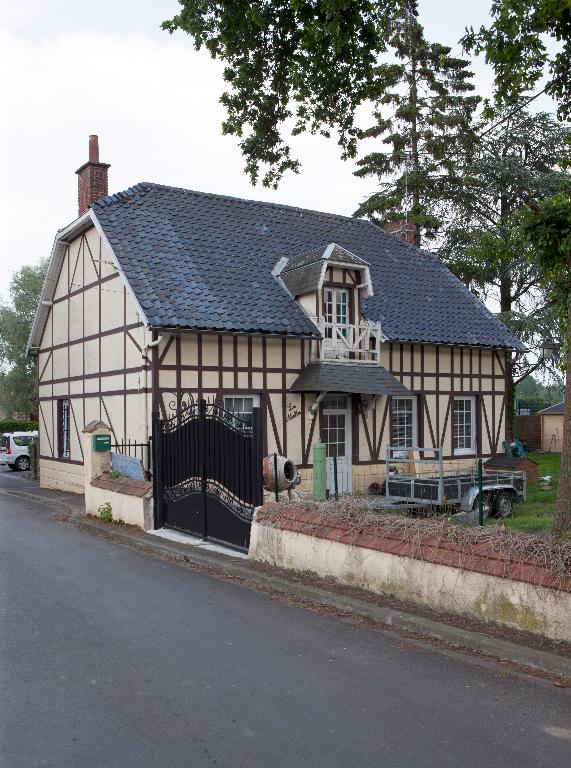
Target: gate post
{"x":257,"y":459}
{"x":157,"y":472}
{"x":201,"y":453}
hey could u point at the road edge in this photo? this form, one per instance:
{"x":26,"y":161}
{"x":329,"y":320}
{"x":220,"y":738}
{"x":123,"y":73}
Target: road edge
{"x":460,"y":638}
{"x":391,"y":618}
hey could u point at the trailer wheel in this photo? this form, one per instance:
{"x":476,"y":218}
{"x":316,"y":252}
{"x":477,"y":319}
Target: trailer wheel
{"x":503,"y":505}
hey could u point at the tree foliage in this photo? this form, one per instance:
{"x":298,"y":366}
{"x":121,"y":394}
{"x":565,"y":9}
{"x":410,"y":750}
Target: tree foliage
{"x":533,"y":394}
{"x":548,"y":227}
{"x":423,"y":112}
{"x":18,"y":382}
{"x":521,"y":157}
{"x":516,"y":45}
{"x":298,"y":64}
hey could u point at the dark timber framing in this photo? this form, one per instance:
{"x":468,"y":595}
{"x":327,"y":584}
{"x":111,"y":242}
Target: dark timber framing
{"x":210,"y":365}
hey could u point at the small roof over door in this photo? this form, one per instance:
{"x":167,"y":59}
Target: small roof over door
{"x":348,"y":378}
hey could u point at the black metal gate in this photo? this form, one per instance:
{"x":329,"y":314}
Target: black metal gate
{"x":208,"y":472}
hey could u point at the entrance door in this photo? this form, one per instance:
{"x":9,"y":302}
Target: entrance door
{"x":336,"y":433}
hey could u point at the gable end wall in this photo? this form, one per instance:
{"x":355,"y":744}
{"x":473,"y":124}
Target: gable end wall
{"x":90,"y":354}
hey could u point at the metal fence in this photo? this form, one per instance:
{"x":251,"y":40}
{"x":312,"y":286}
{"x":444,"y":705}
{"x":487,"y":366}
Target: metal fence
{"x":138,"y":450}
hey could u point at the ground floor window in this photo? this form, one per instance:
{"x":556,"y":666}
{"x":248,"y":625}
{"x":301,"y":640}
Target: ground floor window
{"x":242,"y":406}
{"x":403,"y":422}
{"x":464,"y":426}
{"x":63,"y":428}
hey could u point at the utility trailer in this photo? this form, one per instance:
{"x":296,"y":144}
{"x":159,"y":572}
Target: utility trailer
{"x":442,"y":488}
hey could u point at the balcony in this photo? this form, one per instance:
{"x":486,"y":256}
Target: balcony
{"x":358,"y":343}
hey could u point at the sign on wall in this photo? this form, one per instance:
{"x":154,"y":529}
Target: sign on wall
{"x":128,"y":466}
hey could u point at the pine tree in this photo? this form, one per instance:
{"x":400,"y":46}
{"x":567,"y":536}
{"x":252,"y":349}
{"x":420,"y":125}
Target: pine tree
{"x":424,"y":114}
{"x":520,"y":157}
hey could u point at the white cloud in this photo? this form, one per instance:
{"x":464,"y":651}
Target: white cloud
{"x":17,"y":16}
{"x":154,"y":104}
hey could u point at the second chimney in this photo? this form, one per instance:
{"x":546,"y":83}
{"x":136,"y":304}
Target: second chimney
{"x":92,"y":181}
{"x":402,"y":229}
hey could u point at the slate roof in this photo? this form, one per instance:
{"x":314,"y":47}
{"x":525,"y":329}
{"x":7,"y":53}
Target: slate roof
{"x":303,"y":259}
{"x":343,"y":256}
{"x":197,"y":260}
{"x":348,"y":377}
{"x":553,"y":409}
{"x":303,"y":279}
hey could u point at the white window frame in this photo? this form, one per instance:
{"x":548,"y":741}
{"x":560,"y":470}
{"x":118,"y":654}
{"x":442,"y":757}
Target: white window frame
{"x":64,"y":424}
{"x":472,"y":449}
{"x":255,"y":401}
{"x":414,"y":437}
{"x":331,"y":407}
{"x":331,"y":319}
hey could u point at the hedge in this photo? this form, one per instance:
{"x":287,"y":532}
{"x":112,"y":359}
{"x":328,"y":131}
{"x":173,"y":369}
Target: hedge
{"x":16,"y":425}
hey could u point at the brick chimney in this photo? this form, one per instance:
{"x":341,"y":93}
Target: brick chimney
{"x":92,"y":178}
{"x":402,"y":229}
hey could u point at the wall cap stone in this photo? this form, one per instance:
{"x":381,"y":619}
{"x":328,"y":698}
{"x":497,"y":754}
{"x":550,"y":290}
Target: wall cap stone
{"x":93,"y":425}
{"x":478,"y":556}
{"x":125,"y":485}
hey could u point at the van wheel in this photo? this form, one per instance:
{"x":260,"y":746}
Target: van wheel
{"x":503,"y":504}
{"x":22,"y":463}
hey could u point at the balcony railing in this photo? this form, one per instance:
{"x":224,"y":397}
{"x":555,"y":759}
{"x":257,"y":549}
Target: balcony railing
{"x":357,"y":343}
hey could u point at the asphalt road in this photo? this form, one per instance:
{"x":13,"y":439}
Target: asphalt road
{"x":110,"y":657}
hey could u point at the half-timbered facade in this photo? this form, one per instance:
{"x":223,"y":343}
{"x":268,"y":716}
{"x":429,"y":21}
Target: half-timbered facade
{"x":337,"y":330}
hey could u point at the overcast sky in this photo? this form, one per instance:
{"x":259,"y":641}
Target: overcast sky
{"x":71,"y":68}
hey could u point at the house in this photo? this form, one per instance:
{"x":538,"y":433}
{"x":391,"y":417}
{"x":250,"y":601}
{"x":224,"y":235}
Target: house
{"x":552,"y":420}
{"x":335,"y":329}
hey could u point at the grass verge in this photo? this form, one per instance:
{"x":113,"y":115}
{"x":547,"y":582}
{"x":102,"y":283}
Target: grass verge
{"x":537,"y":511}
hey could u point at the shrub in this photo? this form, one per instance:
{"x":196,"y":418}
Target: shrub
{"x":106,"y":512}
{"x":17,"y":425}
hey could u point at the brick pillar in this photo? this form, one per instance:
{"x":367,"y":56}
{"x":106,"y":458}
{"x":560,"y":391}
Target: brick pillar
{"x":95,"y":462}
{"x":402,"y":229}
{"x":92,"y":183}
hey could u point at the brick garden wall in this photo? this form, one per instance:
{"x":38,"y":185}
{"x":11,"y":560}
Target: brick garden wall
{"x":492,"y":575}
{"x":528,"y":429}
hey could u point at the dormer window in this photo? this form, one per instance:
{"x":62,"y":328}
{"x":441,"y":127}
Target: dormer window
{"x":307,"y":272}
{"x":329,"y":283}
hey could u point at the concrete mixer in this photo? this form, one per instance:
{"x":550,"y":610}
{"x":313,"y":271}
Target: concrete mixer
{"x":282,"y":468}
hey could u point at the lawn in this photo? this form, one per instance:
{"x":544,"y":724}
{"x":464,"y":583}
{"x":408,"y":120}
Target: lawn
{"x":536,"y":512}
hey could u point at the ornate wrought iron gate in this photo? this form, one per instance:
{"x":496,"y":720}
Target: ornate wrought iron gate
{"x":207,"y":472}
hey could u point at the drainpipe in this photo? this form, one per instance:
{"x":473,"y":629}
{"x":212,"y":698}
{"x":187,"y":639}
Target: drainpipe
{"x":144,"y":351}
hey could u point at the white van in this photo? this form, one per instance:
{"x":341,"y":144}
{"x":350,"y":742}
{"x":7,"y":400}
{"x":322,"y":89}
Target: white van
{"x":14,"y":449}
